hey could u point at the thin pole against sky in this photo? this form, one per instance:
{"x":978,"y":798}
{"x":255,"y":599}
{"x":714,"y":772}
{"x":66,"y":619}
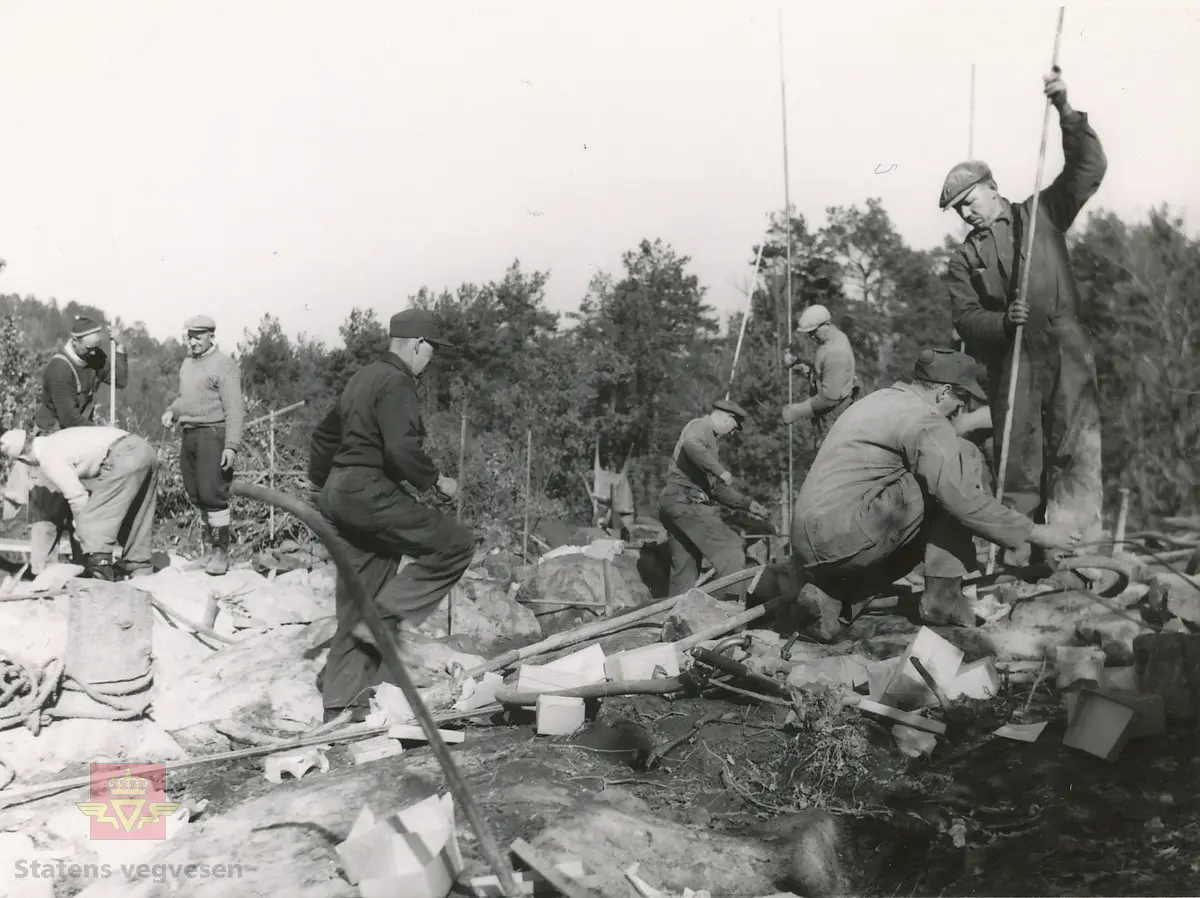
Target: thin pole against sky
{"x":971,"y":132}
{"x":962,"y":344}
{"x":787,"y":220}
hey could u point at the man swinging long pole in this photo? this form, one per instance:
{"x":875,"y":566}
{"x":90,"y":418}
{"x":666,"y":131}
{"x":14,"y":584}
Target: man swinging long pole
{"x":1022,"y":300}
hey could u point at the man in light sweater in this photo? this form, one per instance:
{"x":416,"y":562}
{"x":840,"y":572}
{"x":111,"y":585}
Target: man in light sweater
{"x":209,"y":409}
{"x":108,"y":478}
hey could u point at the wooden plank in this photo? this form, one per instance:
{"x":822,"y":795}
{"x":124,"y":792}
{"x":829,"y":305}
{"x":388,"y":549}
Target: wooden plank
{"x":541,"y":865}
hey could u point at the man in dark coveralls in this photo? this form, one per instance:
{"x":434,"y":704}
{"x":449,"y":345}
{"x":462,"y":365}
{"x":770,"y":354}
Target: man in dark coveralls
{"x":368,"y":460}
{"x":687,"y":506}
{"x":1053,"y":471}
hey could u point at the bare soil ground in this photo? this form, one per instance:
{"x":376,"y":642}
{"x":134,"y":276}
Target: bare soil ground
{"x":1028,"y":819}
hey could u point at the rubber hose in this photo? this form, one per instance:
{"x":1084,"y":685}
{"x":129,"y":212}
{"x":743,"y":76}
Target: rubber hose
{"x":369,"y":614}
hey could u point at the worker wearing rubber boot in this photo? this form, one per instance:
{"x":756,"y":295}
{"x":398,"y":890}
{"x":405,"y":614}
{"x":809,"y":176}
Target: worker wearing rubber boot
{"x":894,"y":483}
{"x":210,"y":411}
{"x":369,"y":462}
{"x":71,"y":381}
{"x":1053,"y":470}
{"x":832,"y":383}
{"x":697,"y":483}
{"x":108,"y":478}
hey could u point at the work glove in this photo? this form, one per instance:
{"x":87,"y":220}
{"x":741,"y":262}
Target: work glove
{"x":168,"y":418}
{"x":1055,"y":88}
{"x":758,"y":509}
{"x":227,"y":458}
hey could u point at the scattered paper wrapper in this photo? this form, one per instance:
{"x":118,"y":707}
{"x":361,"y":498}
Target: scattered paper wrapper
{"x":1022,"y":732}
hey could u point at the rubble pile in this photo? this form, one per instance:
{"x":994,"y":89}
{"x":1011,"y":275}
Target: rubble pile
{"x":579,"y":648}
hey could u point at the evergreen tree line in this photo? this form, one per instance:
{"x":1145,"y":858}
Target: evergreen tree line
{"x":644,"y":353}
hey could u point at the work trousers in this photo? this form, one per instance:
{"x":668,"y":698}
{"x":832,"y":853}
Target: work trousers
{"x":49,"y":519}
{"x":204,"y":480}
{"x":695,"y":531}
{"x":823,"y":422}
{"x":1053,"y":471}
{"x":381,"y":525}
{"x":918,"y":530}
{"x":121,"y":502}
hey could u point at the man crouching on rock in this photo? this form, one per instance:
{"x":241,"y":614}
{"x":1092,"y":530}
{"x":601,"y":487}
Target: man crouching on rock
{"x":894,"y":483}
{"x":369,"y":461}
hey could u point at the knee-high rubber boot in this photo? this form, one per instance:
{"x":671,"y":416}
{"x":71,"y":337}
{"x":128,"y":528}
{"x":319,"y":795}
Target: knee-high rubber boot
{"x":218,"y":563}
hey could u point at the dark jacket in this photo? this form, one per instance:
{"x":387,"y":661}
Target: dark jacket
{"x":376,"y":423}
{"x":695,"y":470}
{"x":69,"y":391}
{"x":984,"y":273}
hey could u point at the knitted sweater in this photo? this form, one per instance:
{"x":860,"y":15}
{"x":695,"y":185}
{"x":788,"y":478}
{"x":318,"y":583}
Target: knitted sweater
{"x":210,"y":392}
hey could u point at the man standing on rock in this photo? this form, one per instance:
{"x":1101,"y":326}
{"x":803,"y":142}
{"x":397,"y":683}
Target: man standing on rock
{"x":210,"y":411}
{"x":369,"y":462}
{"x":70,"y":382}
{"x":696,"y":484}
{"x":108,"y":478}
{"x":894,"y":483}
{"x":1053,"y":470}
{"x":831,"y":379}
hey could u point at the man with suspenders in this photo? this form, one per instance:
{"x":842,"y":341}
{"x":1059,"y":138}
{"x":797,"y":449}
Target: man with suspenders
{"x":70,"y":382}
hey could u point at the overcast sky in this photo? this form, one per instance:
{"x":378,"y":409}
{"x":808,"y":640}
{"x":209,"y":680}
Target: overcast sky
{"x":239,"y":157}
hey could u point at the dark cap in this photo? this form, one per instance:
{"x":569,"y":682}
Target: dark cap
{"x":417,"y":324}
{"x":961,"y":179}
{"x":728,"y":405}
{"x":948,"y":366}
{"x":84,"y":326}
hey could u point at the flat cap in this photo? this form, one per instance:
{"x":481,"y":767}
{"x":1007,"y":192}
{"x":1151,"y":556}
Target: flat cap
{"x":728,"y":405}
{"x":417,"y":324}
{"x":962,"y":178}
{"x":200,"y":323}
{"x":949,"y":366}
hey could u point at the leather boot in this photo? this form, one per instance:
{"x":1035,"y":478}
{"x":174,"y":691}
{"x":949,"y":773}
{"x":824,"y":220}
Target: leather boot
{"x":218,"y":562}
{"x":99,"y":566}
{"x":943,"y":603}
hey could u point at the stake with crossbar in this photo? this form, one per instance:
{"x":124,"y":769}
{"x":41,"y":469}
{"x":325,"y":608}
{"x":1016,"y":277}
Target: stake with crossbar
{"x":1023,"y":292}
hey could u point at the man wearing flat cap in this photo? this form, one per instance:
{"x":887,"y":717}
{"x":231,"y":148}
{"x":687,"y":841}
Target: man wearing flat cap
{"x":70,"y":382}
{"x":894,"y":484}
{"x":369,"y":462}
{"x":831,"y":379}
{"x":210,"y":411}
{"x":1053,"y":471}
{"x":696,"y":484}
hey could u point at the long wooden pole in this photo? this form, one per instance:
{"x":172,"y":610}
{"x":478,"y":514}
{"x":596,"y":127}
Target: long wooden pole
{"x":745,"y":317}
{"x":112,"y":387}
{"x":1022,"y":293}
{"x":787,"y":218}
{"x":462,"y":461}
{"x":528,"y":489}
{"x":962,"y":344}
